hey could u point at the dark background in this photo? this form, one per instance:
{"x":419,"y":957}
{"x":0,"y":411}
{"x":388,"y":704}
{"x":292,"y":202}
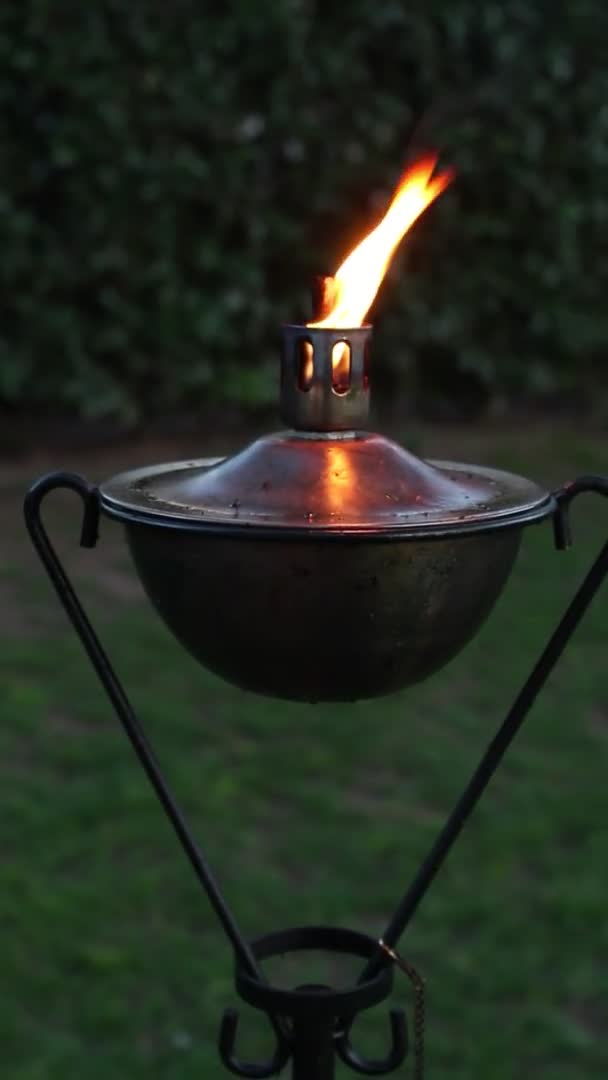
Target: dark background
{"x":173,"y":175}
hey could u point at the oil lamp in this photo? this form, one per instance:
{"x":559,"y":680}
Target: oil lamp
{"x":323,"y":563}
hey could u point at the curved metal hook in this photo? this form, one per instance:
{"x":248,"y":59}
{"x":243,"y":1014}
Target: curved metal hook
{"x":377,"y":1066}
{"x":255,"y":1070}
{"x":596,"y":485}
{"x":33,"y":501}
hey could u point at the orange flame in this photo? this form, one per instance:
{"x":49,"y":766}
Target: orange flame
{"x":358,"y":279}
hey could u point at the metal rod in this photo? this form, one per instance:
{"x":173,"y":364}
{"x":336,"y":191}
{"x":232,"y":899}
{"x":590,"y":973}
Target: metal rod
{"x":507,"y":732}
{"x":115,"y":691}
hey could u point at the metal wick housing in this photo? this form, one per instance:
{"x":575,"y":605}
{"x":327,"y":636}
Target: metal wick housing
{"x":325,"y":377}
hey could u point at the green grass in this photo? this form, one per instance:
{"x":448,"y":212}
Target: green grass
{"x":112,"y":963}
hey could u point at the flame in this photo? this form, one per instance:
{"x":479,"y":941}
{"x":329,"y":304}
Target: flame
{"x":356,"y":282}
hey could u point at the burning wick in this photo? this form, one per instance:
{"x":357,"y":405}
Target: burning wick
{"x":346,"y":298}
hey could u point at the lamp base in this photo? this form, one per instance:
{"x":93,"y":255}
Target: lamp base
{"x":313,"y":1022}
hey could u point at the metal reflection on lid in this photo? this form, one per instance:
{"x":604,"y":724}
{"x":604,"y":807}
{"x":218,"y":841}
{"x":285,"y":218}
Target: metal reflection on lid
{"x":360,"y":483}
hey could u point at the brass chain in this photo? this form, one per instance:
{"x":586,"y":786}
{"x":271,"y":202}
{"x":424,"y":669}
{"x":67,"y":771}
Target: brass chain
{"x":419,"y":1006}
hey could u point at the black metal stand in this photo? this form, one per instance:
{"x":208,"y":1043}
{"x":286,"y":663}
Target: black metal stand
{"x":312,"y":1023}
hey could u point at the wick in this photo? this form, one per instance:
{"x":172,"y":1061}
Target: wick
{"x":325,"y":292}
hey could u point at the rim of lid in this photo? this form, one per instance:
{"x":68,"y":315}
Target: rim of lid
{"x":287,"y":486}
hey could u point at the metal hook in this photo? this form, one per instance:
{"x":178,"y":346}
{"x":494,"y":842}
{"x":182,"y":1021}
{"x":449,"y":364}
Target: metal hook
{"x":564,"y":497}
{"x":373,"y":1066}
{"x":226,"y":1042}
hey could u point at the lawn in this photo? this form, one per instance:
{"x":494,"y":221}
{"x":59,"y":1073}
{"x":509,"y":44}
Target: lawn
{"x":112,"y":963}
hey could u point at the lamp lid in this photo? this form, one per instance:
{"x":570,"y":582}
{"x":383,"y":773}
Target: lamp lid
{"x":325,"y":484}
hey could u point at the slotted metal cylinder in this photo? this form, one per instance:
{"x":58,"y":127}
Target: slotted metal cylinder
{"x":318,"y":391}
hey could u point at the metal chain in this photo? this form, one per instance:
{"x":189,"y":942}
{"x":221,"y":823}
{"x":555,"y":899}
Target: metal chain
{"x":419,"y":1006}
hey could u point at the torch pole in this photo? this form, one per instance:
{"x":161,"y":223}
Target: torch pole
{"x":313,"y":1049}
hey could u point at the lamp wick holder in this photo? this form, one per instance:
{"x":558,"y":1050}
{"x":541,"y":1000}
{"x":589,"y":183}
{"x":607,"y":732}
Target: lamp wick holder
{"x":325,"y":383}
{"x":312,"y":1024}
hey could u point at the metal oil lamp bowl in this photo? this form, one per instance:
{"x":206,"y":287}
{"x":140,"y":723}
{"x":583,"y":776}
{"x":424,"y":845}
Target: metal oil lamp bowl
{"x":321,"y":563}
{"x":324,"y":562}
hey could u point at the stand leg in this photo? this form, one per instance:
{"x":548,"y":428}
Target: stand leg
{"x":511,"y":725}
{"x":114,"y":689}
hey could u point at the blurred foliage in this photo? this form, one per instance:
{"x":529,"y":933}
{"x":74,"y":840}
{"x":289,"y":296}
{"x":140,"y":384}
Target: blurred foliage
{"x":174,"y":174}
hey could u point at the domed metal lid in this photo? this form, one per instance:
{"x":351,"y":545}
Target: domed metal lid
{"x":354,"y":483}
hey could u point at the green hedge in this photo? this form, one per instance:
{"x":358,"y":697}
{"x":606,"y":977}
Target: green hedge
{"x":173,"y":174}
